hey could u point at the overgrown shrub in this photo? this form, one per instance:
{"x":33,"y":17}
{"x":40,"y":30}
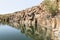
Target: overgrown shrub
{"x":52,"y":7}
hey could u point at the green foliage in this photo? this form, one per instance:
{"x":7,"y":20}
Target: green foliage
{"x":52,"y":7}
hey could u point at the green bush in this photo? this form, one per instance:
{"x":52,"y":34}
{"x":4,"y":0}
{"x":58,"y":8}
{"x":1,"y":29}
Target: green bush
{"x":52,"y":7}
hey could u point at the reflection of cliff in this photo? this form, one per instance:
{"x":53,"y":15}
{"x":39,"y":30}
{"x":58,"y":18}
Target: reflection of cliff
{"x":34,"y":32}
{"x":38,"y":33}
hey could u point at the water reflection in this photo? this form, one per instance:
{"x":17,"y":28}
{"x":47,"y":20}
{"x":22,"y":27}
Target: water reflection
{"x":35,"y":32}
{"x":9,"y":33}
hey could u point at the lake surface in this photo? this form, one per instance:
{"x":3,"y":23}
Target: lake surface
{"x":15,"y":31}
{"x":10,"y":33}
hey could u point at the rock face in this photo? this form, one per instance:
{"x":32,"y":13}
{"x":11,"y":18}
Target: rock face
{"x":36,"y":16}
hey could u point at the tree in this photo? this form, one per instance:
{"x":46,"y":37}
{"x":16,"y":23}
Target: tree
{"x":52,"y":6}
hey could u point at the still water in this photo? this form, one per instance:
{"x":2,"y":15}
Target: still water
{"x":9,"y":33}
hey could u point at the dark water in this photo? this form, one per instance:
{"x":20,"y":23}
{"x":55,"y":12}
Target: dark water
{"x":10,"y":33}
